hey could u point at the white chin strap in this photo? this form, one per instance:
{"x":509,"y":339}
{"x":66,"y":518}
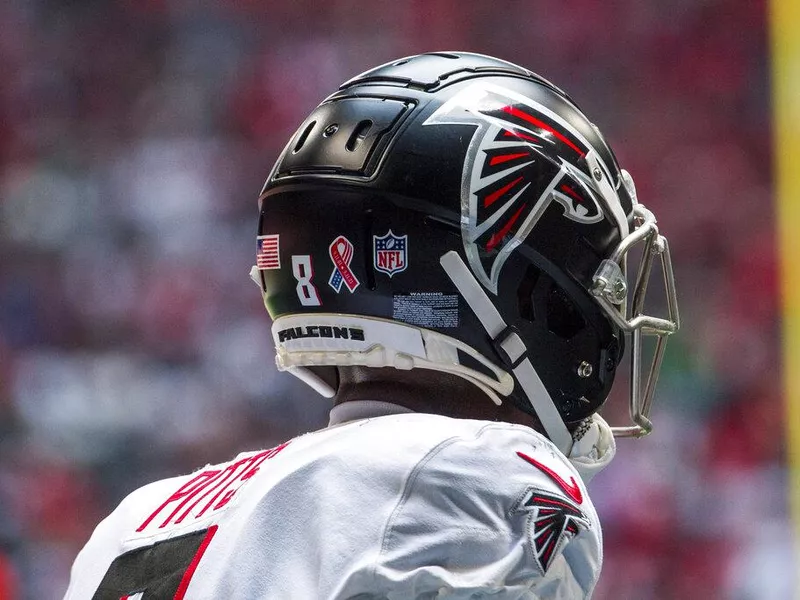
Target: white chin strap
{"x":509,"y":341}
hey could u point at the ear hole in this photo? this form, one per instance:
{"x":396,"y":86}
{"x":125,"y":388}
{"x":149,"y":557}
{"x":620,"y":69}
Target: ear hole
{"x":563,"y":319}
{"x":525,"y":293}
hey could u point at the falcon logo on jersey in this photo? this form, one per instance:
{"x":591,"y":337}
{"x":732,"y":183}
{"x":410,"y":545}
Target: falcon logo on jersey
{"x":552,"y":521}
{"x":514,"y":169}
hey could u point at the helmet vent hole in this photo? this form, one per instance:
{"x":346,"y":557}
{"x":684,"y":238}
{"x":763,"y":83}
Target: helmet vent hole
{"x":525,"y":293}
{"x":443,"y":224}
{"x":359,"y":133}
{"x":444,"y":55}
{"x":563,"y":319}
{"x":303,"y":137}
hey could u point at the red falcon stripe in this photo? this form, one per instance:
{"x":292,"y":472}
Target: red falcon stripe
{"x":491,"y":198}
{"x":496,"y":160}
{"x":519,"y":134}
{"x":571,"y":192}
{"x":499,"y":235}
{"x":515,"y":112}
{"x":571,"y":489}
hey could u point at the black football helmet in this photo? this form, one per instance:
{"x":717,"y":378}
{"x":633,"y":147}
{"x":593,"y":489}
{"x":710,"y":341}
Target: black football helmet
{"x":456,"y":212}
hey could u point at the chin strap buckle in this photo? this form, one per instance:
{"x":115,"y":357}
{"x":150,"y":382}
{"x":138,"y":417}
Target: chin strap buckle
{"x":509,"y":346}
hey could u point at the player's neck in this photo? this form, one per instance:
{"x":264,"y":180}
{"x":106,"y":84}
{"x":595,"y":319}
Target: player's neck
{"x":426,"y":391}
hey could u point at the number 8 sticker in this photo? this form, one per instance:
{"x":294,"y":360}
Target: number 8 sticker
{"x":303,"y":271}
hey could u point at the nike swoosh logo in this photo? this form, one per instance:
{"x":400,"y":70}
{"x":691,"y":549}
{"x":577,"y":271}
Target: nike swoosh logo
{"x":571,"y":489}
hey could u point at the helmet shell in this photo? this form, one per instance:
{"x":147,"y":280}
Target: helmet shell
{"x":454,"y":152}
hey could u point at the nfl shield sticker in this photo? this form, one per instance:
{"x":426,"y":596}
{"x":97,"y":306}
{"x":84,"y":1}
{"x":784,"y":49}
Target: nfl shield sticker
{"x":390,"y":253}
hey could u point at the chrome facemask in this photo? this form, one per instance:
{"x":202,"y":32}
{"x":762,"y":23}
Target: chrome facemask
{"x":611,"y":289}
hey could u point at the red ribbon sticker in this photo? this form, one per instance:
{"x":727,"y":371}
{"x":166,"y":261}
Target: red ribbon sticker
{"x":341,"y":251}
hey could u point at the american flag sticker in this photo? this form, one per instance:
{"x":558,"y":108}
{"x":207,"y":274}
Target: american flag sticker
{"x":268,"y":252}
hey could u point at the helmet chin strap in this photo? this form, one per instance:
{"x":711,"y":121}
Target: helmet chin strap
{"x":508,"y":340}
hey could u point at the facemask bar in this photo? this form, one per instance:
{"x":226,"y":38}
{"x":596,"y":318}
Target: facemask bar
{"x":611,"y":290}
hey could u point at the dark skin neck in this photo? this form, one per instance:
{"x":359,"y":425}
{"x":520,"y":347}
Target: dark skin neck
{"x":426,"y":391}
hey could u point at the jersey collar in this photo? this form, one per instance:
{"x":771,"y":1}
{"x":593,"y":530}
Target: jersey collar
{"x":363,"y":409}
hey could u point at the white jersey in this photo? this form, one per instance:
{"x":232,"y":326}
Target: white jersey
{"x":398,"y":506}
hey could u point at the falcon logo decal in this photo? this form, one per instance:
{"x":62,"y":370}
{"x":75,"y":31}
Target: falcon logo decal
{"x":513,"y":171}
{"x":553,"y":520}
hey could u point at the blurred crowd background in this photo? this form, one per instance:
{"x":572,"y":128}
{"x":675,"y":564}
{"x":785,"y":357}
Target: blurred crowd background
{"x":134,"y":138}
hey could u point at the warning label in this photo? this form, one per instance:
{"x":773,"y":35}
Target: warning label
{"x":426,"y":309}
